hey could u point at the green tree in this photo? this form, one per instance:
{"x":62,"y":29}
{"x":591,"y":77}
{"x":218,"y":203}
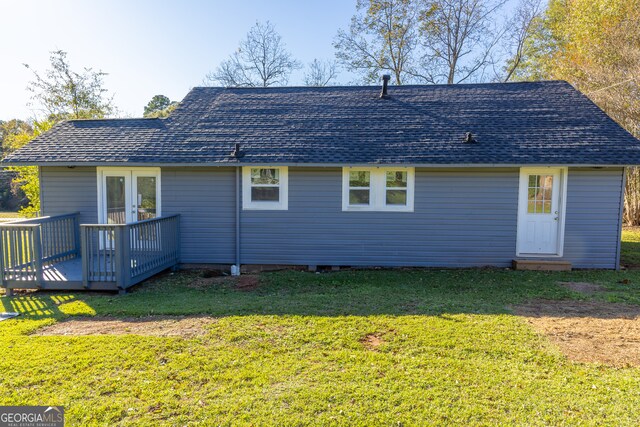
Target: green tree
{"x":26,"y":179}
{"x":62,"y":94}
{"x":159,"y":106}
{"x":595,"y":46}
{"x":8,"y":130}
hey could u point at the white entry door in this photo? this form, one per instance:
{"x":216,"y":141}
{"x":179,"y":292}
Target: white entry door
{"x":128,"y":195}
{"x":541,"y":211}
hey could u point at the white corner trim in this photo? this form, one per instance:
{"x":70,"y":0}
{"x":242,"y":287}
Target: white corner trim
{"x":522,"y":207}
{"x":281,"y":205}
{"x":377,"y":190}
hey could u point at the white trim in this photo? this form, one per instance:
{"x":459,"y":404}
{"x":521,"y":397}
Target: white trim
{"x":377,"y":190}
{"x":562,"y":208}
{"x":129,"y":174}
{"x":281,"y":205}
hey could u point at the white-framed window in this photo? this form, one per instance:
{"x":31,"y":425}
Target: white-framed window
{"x":265,"y":187}
{"x":378,"y":189}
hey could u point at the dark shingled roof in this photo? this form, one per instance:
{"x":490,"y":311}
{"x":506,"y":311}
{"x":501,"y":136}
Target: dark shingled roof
{"x":514,"y":124}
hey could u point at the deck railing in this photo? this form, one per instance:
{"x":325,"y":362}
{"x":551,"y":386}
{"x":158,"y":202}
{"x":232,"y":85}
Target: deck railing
{"x":129,"y":253}
{"x":27,"y":246}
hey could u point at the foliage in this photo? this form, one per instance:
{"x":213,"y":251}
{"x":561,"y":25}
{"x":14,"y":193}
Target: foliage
{"x":262,"y":60}
{"x":8,"y":131}
{"x":294,"y":351}
{"x":595,"y":46}
{"x":520,"y":31}
{"x":159,"y":106}
{"x":66,"y":94}
{"x":62,"y":94}
{"x":27,"y":177}
{"x":320,"y":73}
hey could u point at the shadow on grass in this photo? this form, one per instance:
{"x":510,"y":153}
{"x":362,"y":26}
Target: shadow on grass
{"x":355,"y":293}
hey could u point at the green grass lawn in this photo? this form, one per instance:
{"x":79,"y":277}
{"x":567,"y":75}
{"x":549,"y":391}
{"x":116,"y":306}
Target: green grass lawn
{"x":291,"y":352}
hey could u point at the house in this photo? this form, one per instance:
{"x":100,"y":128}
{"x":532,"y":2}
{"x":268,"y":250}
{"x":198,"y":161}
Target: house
{"x":430,"y":176}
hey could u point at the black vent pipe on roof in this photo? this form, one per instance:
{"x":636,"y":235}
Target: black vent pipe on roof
{"x":236,"y":153}
{"x":385,"y":85}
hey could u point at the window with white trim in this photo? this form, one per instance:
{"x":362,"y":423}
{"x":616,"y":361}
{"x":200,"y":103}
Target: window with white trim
{"x":378,"y":189}
{"x":265,"y":187}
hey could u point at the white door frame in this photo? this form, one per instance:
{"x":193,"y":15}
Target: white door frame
{"x":130,"y":174}
{"x":522,"y":208}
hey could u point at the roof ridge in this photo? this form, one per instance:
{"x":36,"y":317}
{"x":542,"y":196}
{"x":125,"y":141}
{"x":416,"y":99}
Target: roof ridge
{"x":111,"y":119}
{"x":528,"y":82}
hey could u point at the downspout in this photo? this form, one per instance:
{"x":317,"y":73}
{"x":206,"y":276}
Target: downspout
{"x":235,"y":270}
{"x":620,"y":218}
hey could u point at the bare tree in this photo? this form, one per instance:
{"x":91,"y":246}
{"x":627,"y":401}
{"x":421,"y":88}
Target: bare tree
{"x":262,"y":60}
{"x":382,"y":37}
{"x":458,"y":37}
{"x":518,"y":30}
{"x":320,"y":73}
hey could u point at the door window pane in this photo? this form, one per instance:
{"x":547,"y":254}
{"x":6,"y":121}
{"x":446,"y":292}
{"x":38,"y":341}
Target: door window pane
{"x":116,"y":205}
{"x":540,"y":193}
{"x":146,"y":198}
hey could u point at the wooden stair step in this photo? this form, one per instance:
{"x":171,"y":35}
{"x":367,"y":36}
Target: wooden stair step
{"x":541,"y":265}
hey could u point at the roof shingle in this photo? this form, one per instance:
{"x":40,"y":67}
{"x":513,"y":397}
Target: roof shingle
{"x":513,"y":123}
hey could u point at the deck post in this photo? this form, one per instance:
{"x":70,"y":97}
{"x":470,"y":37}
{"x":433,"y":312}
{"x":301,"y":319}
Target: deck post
{"x":122,"y":245}
{"x":37,"y":254}
{"x":76,"y":233}
{"x":3,"y":282}
{"x":84,"y":254}
{"x":177,"y":243}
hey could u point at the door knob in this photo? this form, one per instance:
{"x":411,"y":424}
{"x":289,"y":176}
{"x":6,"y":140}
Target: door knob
{"x":555,"y":219}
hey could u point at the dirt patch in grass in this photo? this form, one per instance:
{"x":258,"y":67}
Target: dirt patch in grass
{"x":588,"y":331}
{"x":247,"y":282}
{"x":582,"y":287}
{"x":372,"y":341}
{"x":207,"y":282}
{"x":160,"y":326}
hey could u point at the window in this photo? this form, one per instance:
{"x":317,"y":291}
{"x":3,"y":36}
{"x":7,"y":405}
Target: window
{"x":378,"y":189}
{"x":265,"y":188}
{"x":540,"y":191}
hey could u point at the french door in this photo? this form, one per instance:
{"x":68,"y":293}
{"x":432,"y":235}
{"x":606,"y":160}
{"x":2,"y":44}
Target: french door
{"x":128,"y":195}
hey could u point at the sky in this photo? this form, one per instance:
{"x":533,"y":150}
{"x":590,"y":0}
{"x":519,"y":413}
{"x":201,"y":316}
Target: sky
{"x":150,"y":47}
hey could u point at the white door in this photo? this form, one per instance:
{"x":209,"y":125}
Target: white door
{"x":541,"y":214}
{"x":128,"y":195}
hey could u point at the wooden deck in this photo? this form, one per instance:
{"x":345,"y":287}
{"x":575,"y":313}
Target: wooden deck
{"x":59,"y":253}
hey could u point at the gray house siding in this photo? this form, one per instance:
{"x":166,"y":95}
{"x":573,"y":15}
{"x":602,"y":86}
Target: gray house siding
{"x":592,"y":218}
{"x":205,"y":200}
{"x":462,"y":218}
{"x":65,"y":190}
